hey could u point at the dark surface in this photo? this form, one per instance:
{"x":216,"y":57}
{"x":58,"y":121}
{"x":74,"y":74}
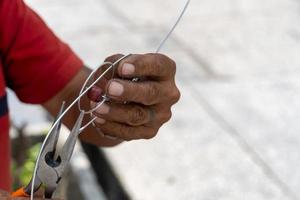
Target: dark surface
{"x":105,"y":174}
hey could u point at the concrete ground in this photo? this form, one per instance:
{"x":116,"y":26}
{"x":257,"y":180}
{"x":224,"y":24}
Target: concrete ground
{"x":235,"y":133}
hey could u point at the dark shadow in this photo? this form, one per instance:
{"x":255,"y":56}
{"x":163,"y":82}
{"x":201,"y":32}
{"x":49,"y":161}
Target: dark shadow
{"x":106,"y":177}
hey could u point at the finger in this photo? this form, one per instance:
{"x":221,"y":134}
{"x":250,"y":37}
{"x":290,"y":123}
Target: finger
{"x":125,"y":132}
{"x":130,"y":114}
{"x":95,"y":94}
{"x":107,"y":74}
{"x":111,"y":73}
{"x":146,"y":93}
{"x":155,"y":66}
{"x":113,"y":58}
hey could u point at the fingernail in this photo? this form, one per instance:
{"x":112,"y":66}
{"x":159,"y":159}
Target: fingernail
{"x":100,"y":120}
{"x":103,"y":109}
{"x":128,"y":69}
{"x":115,"y":89}
{"x":94,"y":94}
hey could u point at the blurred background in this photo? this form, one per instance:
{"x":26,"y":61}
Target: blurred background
{"x":235,"y":134}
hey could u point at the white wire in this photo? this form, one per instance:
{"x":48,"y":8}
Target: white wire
{"x":84,"y":87}
{"x":162,"y":43}
{"x":83,"y":92}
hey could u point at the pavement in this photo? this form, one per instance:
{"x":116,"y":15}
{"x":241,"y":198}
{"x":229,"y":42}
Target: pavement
{"x":235,"y":132}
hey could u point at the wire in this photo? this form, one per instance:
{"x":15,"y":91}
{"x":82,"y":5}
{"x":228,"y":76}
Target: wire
{"x":162,"y":43}
{"x":59,"y":119}
{"x":85,"y":89}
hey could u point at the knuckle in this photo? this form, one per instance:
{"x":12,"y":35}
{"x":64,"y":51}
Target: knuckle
{"x":124,"y":132}
{"x":153,"y":93}
{"x":151,"y":134}
{"x":159,"y":58}
{"x":166,"y":116}
{"x":172,"y":63}
{"x":175,"y":96}
{"x":141,"y":63}
{"x":127,"y":138}
{"x":137,"y":116}
{"x":113,"y":58}
{"x":105,"y":128}
{"x":167,"y":63}
{"x":173,"y":68}
{"x":159,"y":62}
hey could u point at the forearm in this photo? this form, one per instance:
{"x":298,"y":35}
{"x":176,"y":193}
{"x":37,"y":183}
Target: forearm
{"x":68,"y":94}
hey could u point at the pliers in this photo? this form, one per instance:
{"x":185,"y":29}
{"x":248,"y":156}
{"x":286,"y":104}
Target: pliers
{"x":52,"y":164}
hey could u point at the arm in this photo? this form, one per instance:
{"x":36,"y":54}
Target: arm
{"x":41,"y":69}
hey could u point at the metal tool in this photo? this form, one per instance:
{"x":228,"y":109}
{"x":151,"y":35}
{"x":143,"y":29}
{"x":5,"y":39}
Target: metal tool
{"x":52,"y":164}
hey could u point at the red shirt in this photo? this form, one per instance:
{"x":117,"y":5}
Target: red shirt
{"x":35,"y":64}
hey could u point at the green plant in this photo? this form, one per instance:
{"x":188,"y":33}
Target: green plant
{"x":24,"y":172}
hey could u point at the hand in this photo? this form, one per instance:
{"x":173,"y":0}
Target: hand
{"x":136,"y":110}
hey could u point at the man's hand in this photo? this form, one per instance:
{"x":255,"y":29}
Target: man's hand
{"x":148,"y":101}
{"x":136,"y":109}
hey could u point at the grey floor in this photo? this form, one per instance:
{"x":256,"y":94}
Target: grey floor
{"x":235,"y":134}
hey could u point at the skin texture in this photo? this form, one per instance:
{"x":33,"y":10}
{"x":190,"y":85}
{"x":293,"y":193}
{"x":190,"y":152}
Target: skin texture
{"x":148,"y":101}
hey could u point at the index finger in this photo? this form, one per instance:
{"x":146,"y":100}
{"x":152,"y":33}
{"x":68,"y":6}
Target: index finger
{"x":153,"y":66}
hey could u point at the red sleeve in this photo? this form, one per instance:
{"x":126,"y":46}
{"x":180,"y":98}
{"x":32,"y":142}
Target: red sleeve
{"x":36,"y":63}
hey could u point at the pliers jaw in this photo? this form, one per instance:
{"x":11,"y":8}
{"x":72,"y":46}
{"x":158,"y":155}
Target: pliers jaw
{"x":52,"y":164}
